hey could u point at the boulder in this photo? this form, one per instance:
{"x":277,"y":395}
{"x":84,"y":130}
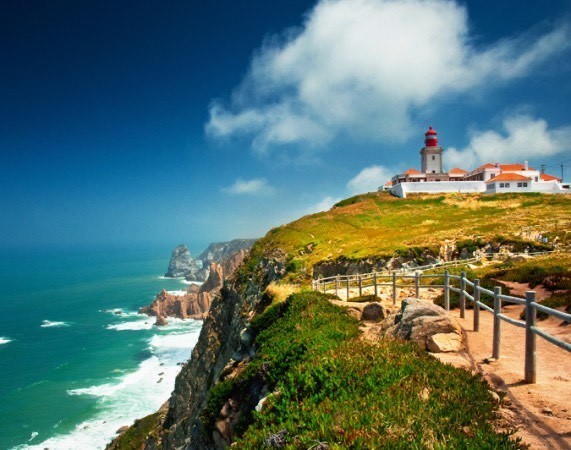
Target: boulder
{"x":373,"y":312}
{"x":444,"y":342}
{"x":161,"y":321}
{"x":420,"y":320}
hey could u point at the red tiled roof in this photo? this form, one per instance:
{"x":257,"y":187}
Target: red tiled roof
{"x":508,"y":177}
{"x":514,"y":167}
{"x":485,"y":166}
{"x":411,"y":171}
{"x":457,"y":170}
{"x":547,"y":177}
{"x":389,"y":183}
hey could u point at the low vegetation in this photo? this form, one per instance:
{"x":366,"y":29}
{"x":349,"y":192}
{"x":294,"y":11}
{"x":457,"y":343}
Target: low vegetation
{"x":328,"y":388}
{"x":378,"y":225}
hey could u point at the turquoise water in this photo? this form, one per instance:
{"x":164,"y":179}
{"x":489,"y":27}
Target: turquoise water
{"x":72,"y":372}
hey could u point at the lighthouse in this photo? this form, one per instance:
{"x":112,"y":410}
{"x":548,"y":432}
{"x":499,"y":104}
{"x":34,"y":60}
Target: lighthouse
{"x":431,"y":153}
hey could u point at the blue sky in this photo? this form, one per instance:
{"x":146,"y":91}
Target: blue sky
{"x":141,"y":122}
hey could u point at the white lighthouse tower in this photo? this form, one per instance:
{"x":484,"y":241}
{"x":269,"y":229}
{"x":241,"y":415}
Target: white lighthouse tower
{"x":431,"y":153}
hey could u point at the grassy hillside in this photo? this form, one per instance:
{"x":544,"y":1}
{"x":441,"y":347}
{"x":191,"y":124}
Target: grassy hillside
{"x":377,"y":224}
{"x":332,"y":390}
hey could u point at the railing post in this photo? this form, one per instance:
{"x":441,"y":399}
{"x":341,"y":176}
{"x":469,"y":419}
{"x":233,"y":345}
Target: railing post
{"x":324,"y":286}
{"x":375,"y":282}
{"x":416,"y":287}
{"x":447,"y":290}
{"x":348,"y":291}
{"x":497,"y":322}
{"x":530,"y":317}
{"x":336,"y":285}
{"x":476,"y":305}
{"x":462,"y":295}
{"x":360,"y":285}
{"x":394,"y":288}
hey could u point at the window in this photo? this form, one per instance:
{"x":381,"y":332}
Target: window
{"x":502,"y":185}
{"x":433,"y":157}
{"x":507,"y":185}
{"x":519,"y":185}
{"x":524,"y":184}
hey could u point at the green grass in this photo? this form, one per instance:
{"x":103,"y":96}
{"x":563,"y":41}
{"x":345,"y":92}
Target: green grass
{"x":377,"y":225}
{"x":331,"y":387}
{"x":135,"y":437}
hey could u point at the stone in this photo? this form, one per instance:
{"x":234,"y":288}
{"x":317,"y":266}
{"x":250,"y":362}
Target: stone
{"x":444,"y":342}
{"x":122,"y":429}
{"x":181,"y":263}
{"x":373,"y":312}
{"x":161,"y":321}
{"x":420,"y":320}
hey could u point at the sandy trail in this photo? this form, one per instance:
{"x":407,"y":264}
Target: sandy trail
{"x":541,"y":411}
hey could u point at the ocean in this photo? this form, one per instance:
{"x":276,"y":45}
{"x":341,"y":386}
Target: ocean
{"x":76,"y":360}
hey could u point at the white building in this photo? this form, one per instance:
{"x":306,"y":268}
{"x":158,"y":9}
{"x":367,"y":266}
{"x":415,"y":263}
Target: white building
{"x":488,"y":178}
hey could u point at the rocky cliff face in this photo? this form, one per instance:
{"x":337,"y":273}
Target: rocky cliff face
{"x":196,"y":302}
{"x":220,"y":251}
{"x":221,"y":340}
{"x":182,"y":264}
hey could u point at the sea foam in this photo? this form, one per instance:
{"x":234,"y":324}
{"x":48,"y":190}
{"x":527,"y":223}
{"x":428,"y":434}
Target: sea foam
{"x":53,"y":324}
{"x":136,"y":394}
{"x":4,"y":340}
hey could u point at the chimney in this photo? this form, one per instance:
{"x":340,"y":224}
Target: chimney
{"x":525,"y":165}
{"x":497,"y":164}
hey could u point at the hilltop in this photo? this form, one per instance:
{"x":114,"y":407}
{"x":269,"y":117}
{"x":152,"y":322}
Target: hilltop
{"x":292,"y":371}
{"x":378,"y":226}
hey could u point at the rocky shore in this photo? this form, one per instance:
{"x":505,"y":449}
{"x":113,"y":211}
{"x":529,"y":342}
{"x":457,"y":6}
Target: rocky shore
{"x":195,"y":303}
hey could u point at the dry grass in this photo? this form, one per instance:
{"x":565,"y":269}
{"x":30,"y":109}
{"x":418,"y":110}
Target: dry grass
{"x":377,"y":224}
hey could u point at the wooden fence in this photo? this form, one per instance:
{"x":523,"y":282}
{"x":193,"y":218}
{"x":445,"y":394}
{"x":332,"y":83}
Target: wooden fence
{"x":466,"y":289}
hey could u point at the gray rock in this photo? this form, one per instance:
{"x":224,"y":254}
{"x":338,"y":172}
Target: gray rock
{"x":182,"y":263}
{"x":220,"y":251}
{"x":373,"y":312}
{"x":419,"y":321}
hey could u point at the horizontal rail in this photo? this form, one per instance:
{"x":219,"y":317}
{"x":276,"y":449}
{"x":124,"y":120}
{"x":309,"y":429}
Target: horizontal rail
{"x":561,"y":344}
{"x":517,"y":323}
{"x":486,"y":307}
{"x":511,"y":299}
{"x":468,"y":296}
{"x":486,"y":291}
{"x":553,"y":312}
{"x":468,"y":282}
{"x":458,"y":290}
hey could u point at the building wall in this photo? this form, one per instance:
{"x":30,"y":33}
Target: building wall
{"x":437,"y":187}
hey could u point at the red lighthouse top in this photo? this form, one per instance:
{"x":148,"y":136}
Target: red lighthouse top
{"x":430,"y":139}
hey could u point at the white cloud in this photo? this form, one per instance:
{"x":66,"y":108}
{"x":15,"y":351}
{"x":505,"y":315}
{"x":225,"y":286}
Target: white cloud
{"x":362,"y":67}
{"x":369,"y":179}
{"x":523,"y":137}
{"x":323,"y":205}
{"x":256,"y":186}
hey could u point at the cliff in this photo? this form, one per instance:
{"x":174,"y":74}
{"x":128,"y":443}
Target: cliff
{"x":221,"y":341}
{"x":366,"y":231}
{"x":220,"y":251}
{"x":195,"y":303}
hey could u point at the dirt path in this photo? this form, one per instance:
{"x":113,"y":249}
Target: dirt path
{"x":541,"y":411}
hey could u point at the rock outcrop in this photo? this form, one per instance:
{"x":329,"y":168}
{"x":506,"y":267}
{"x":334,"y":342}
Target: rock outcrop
{"x":182,"y":264}
{"x":428,"y":325}
{"x":220,"y":341}
{"x":195,"y":303}
{"x":221,"y":251}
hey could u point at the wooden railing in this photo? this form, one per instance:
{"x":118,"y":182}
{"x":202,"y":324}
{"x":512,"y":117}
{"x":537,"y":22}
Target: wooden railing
{"x":466,"y":289}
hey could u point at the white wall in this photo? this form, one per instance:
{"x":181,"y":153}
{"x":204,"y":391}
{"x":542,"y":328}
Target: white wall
{"x":437,"y":187}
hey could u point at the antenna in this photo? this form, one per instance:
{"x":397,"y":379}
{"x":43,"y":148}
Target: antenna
{"x":543,"y":168}
{"x":562,"y":173}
